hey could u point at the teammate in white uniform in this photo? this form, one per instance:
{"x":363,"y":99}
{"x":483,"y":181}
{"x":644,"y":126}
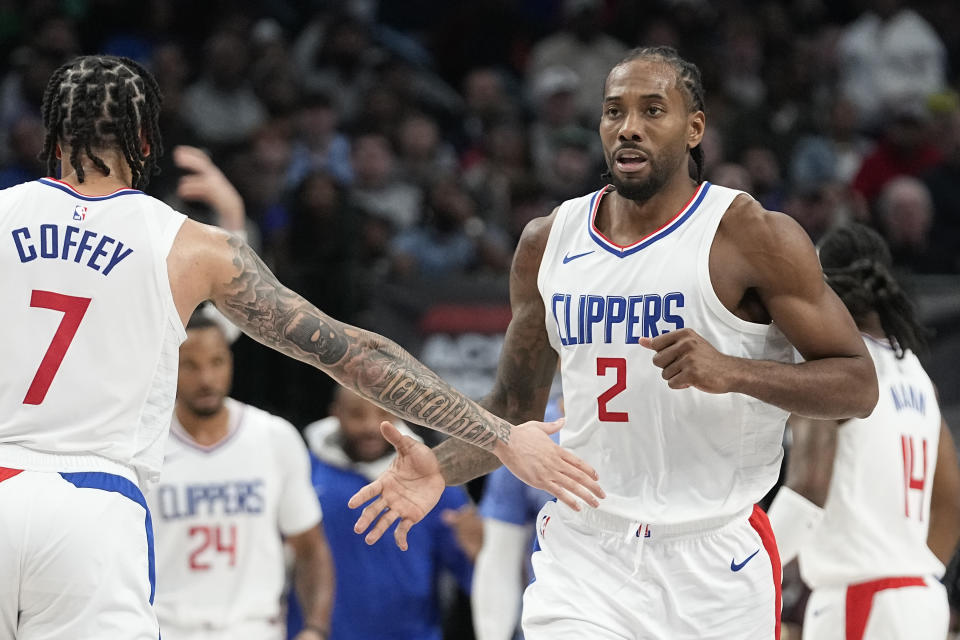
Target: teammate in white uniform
{"x":673,"y":305}
{"x":235,"y":484}
{"x":873,"y":505}
{"x":97,"y":281}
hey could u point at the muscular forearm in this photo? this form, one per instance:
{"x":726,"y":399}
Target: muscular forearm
{"x":371,"y":365}
{"x":831,"y":388}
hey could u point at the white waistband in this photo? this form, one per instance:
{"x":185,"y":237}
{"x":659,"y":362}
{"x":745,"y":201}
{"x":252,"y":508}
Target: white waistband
{"x":618,"y":524}
{"x":14,"y":456}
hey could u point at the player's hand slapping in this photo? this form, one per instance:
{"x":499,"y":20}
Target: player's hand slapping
{"x":413,"y":483}
{"x":688,"y":360}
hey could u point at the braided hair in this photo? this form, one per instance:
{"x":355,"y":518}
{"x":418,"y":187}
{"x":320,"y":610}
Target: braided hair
{"x":689,"y":82}
{"x":856,"y":262}
{"x":99,"y":102}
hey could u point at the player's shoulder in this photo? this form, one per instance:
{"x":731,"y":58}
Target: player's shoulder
{"x":754,"y":229}
{"x":262,"y":423}
{"x":19,"y":191}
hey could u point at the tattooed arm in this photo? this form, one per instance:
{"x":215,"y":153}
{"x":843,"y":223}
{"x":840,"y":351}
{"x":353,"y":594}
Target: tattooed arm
{"x":527,"y":361}
{"x":207,"y":263}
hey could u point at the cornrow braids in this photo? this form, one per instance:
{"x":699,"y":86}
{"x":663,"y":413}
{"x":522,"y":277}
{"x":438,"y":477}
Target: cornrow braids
{"x":99,"y":102}
{"x":689,"y":81}
{"x":856,"y":262}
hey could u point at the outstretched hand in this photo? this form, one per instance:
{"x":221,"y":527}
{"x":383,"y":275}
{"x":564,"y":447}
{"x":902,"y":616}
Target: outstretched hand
{"x":406,"y":491}
{"x":537,"y":460}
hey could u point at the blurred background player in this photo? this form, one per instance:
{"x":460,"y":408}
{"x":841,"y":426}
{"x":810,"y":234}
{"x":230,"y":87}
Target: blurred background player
{"x":235,"y":485}
{"x":100,"y":280}
{"x":509,"y":510}
{"x":872,"y":505}
{"x":349,"y":452}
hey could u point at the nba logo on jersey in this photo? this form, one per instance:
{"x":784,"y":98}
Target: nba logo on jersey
{"x":79,"y":213}
{"x":543,"y":525}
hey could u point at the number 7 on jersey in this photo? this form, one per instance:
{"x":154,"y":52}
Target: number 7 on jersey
{"x":73,"y":309}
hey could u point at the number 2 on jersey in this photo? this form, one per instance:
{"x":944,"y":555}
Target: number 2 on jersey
{"x":73,"y":309}
{"x":620,"y":366}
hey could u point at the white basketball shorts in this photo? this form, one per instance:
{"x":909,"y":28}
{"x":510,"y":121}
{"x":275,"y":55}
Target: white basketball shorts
{"x":602,"y":577}
{"x":886,"y":609}
{"x":76,"y":557}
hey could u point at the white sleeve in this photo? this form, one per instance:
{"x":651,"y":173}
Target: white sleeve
{"x":299,"y":507}
{"x":498,"y":579}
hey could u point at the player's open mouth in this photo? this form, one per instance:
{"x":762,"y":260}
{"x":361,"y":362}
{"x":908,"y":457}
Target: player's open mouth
{"x":629,"y":160}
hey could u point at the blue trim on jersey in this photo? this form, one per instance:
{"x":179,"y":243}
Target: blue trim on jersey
{"x":76,"y":194}
{"x":622,"y":252}
{"x":119,"y":484}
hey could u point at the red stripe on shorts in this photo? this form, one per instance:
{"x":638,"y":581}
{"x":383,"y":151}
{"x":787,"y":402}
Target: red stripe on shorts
{"x":860,"y":601}
{"x":6,"y":474}
{"x":760,"y":523}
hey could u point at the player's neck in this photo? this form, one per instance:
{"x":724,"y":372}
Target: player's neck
{"x":205,"y":430}
{"x":95,"y":182}
{"x":871,"y":325}
{"x":625,"y":221}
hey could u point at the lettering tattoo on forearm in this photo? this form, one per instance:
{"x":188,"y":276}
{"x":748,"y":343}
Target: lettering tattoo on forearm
{"x":373,"y":366}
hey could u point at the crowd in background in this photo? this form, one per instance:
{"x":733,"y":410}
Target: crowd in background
{"x":384,"y":142}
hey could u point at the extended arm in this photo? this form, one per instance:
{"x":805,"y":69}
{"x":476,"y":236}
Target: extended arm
{"x":527,"y":362}
{"x":769,"y":255}
{"x":313,"y":580}
{"x":945,"y":501}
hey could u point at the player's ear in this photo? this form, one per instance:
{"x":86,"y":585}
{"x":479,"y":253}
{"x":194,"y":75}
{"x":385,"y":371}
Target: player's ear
{"x":144,"y":144}
{"x":696,"y":124}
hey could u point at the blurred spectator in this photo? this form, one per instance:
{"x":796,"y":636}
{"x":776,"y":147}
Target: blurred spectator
{"x":377,"y":187}
{"x":350,"y":452}
{"x":818,"y":208}
{"x":835,"y":155}
{"x":890,"y":53}
{"x":553,"y":96}
{"x":452,"y":239}
{"x":221,"y":106}
{"x":906,"y":149}
{"x":260,"y":170}
{"x":502,"y":162}
{"x":318,"y":143}
{"x":424,"y":156}
{"x":222,"y":513}
{"x":905,"y":214}
{"x":26,"y":143}
{"x":487,"y":102}
{"x":581,"y":45}
{"x":943,"y":181}
{"x":51,"y":44}
{"x":764,"y":169}
{"x":335,"y":55}
{"x":733,"y":175}
{"x":573,"y":168}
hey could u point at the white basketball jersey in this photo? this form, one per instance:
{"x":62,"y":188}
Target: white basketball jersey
{"x":877,"y":512}
{"x":664,"y":455}
{"x":219,"y":513}
{"x":90,"y":331}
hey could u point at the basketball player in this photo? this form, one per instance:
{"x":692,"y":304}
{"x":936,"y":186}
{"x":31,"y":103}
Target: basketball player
{"x":871,"y":505}
{"x":97,"y":282}
{"x":675,"y":306}
{"x":235,"y":485}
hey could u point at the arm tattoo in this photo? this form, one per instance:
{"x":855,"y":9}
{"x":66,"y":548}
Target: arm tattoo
{"x":370,"y":365}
